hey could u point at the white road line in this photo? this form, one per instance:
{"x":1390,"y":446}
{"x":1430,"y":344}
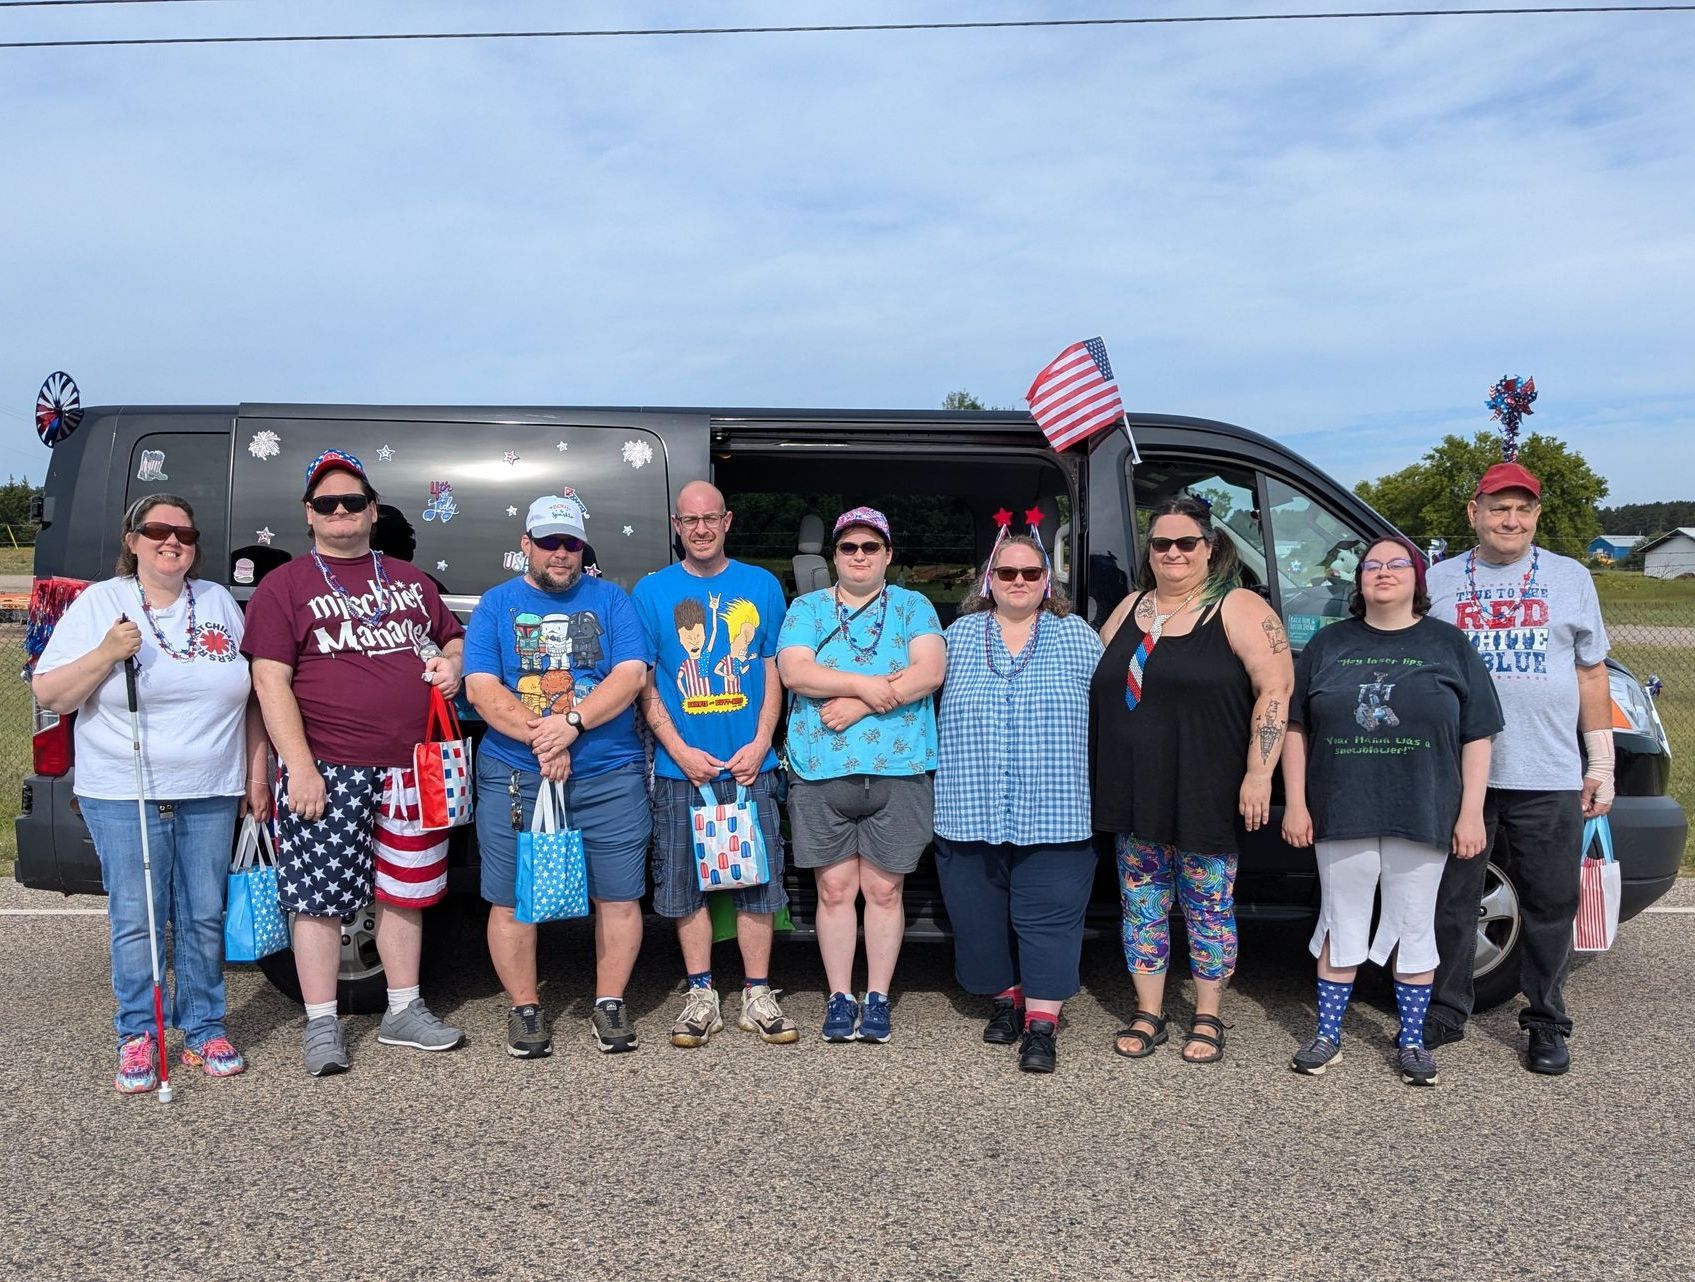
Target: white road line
{"x":1669,"y":910}
{"x":52,"y":912}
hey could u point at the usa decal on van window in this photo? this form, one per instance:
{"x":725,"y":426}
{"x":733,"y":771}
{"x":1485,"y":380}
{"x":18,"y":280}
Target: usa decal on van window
{"x":637,"y":453}
{"x":513,"y":561}
{"x":441,"y":506}
{"x":152,"y":466}
{"x":264,"y":445}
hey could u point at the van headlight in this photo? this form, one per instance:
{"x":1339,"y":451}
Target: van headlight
{"x":1633,"y":710}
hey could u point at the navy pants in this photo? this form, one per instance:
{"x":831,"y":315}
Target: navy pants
{"x":1017,"y":914}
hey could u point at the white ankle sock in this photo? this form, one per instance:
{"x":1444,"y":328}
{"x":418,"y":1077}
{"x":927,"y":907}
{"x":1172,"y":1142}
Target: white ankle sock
{"x":400,"y":998}
{"x":317,"y":1010}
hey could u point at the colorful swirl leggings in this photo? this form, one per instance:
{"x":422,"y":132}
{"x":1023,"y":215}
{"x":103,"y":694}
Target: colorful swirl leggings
{"x":1205,"y":886}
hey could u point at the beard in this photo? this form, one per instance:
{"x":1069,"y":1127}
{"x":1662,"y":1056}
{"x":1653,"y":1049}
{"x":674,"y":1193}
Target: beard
{"x":556,"y":580}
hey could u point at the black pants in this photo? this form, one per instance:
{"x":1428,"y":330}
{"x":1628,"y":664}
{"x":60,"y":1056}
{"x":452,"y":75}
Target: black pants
{"x":1543,"y":830}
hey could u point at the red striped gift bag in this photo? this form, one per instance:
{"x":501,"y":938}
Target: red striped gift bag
{"x":1598,"y":893}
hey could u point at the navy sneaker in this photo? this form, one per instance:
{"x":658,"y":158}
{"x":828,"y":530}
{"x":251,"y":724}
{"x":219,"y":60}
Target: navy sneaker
{"x":841,"y":1016}
{"x":874,"y":1018}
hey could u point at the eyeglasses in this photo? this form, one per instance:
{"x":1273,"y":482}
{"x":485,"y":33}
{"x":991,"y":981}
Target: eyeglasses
{"x":326,"y":504}
{"x":1029,"y":573}
{"x":707,"y":520}
{"x":1188,"y":543}
{"x":159,"y":531}
{"x":1395,"y":565}
{"x":869,"y":549}
{"x":553,"y":542}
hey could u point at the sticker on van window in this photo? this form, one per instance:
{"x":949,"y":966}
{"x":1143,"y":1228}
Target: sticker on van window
{"x":1302,"y":627}
{"x":243,"y":572}
{"x":441,"y":565}
{"x":637,"y":453}
{"x":561,"y":447}
{"x":514,"y":561}
{"x":511,"y":511}
{"x":264,"y":445}
{"x":441,"y":506}
{"x":264,"y":536}
{"x":629,"y":530}
{"x":385,"y":455}
{"x":509,"y":456}
{"x":152,"y":466}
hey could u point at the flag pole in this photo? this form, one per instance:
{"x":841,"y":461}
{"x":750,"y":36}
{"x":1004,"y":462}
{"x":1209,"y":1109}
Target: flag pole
{"x":1135,"y":454}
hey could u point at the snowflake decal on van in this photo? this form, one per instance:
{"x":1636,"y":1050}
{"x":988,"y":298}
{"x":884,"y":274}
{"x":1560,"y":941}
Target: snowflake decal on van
{"x":264,"y":445}
{"x":637,"y":453}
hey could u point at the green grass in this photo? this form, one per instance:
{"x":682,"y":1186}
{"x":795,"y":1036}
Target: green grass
{"x":1628,"y":597}
{"x":16,"y":560}
{"x":15,"y":751}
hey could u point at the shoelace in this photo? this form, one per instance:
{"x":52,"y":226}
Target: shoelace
{"x":614,"y":1012}
{"x":136,"y":1056}
{"x":762,"y":1007}
{"x":530,"y":1017}
{"x":840,"y":1007}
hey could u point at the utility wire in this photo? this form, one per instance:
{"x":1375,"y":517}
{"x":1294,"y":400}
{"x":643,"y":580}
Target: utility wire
{"x":837,"y":27}
{"x":59,"y":4}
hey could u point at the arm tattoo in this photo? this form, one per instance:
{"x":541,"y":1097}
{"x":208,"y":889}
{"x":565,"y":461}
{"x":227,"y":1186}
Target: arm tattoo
{"x":1270,"y":730}
{"x":1275,"y":635}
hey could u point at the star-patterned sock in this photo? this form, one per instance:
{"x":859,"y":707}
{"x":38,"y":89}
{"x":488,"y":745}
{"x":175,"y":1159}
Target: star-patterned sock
{"x":700,"y":979}
{"x":1332,"y":1003}
{"x":1412,"y":1000}
{"x":400,"y":998}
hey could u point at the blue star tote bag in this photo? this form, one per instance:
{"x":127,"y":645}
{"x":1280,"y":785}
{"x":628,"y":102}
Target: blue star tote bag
{"x":254,"y":925}
{"x":729,"y":849}
{"x":553,"y":874}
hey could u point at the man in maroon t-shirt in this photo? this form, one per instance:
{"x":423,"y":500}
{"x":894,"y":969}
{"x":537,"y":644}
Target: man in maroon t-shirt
{"x":344,"y":645}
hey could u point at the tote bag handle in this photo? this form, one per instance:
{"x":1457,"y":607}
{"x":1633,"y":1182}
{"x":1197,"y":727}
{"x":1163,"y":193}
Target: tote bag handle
{"x":545,"y":817}
{"x":441,"y":717}
{"x":1598,"y":831}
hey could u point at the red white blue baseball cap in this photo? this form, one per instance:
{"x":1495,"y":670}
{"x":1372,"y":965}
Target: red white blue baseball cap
{"x":869,"y":517}
{"x":331,"y":461}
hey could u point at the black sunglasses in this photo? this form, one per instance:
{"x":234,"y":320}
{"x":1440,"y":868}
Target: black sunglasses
{"x":1188,"y":543}
{"x":159,"y":531}
{"x":553,"y":542}
{"x":1029,"y":573}
{"x":326,"y":504}
{"x":848,"y":549}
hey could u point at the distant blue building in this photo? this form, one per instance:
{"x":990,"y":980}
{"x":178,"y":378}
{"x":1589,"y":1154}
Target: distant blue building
{"x":1614,"y":547}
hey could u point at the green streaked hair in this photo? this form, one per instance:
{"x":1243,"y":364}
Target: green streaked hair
{"x":1224,"y":569}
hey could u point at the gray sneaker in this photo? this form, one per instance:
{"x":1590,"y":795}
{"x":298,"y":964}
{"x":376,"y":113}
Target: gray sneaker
{"x":761,"y":1014}
{"x":526,"y":1033}
{"x":326,"y":1048}
{"x":418,"y":1028}
{"x":1316,"y":1056}
{"x":613,"y":1031}
{"x":700,"y":1018}
{"x":1418,"y":1066}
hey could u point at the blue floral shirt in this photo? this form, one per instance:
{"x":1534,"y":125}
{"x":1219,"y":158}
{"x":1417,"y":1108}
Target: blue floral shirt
{"x":899,"y":742}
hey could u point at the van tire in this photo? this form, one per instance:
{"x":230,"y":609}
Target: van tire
{"x":1500,"y":939}
{"x":362,"y":988}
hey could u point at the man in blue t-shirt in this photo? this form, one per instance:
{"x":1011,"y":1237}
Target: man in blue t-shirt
{"x":713,"y":700}
{"x":554,"y":661}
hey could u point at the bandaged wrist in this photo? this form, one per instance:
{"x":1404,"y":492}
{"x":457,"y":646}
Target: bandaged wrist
{"x":1598,"y":749}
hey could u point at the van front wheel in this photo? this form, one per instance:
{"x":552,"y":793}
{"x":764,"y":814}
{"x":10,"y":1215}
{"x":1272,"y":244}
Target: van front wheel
{"x":1500,"y":921}
{"x":362,"y":988}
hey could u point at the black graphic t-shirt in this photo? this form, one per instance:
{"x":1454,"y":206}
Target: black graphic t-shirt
{"x":1385,"y":715}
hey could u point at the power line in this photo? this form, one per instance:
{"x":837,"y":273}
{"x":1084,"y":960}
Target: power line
{"x":837,"y":28}
{"x":59,"y":4}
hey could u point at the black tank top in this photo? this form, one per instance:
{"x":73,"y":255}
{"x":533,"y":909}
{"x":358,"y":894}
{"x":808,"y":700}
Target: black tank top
{"x":1170,"y":770}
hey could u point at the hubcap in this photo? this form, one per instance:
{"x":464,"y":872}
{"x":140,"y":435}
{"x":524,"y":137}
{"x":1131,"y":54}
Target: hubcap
{"x":1498,"y":921}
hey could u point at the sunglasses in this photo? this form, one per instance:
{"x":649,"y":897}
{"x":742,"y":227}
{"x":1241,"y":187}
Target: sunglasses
{"x":1029,"y":573}
{"x":326,"y":504}
{"x":1188,"y":543}
{"x":159,"y":531}
{"x":553,"y":542}
{"x":869,"y":549}
{"x":1397,"y":564}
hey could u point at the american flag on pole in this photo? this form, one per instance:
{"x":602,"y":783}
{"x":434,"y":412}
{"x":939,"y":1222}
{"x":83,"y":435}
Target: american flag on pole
{"x":1075,"y":396}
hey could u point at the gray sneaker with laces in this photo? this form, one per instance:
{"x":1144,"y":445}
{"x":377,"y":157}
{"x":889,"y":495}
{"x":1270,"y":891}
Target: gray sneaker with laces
{"x":700,"y":1018}
{"x":418,"y":1028}
{"x":1418,"y":1066}
{"x":612,"y":1029}
{"x":326,"y":1048}
{"x":1316,"y":1056}
{"x":526,"y":1033}
{"x":761,"y":1014}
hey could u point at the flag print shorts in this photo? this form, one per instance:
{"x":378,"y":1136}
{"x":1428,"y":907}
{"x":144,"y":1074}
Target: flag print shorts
{"x":367,"y":844}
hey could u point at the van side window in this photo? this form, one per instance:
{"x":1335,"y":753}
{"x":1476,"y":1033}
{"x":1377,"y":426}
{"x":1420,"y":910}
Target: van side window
{"x":1315,"y":555}
{"x":1230,"y":491}
{"x":193,"y":466}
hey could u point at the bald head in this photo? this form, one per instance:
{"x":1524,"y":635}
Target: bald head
{"x":698,"y":497}
{"x":702,"y":522}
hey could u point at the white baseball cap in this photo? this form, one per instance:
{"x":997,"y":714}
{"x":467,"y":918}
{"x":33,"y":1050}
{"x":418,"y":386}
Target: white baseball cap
{"x":552,"y":514}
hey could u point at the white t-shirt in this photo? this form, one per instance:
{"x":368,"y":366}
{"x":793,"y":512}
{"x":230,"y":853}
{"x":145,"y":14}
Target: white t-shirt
{"x":192,"y":711}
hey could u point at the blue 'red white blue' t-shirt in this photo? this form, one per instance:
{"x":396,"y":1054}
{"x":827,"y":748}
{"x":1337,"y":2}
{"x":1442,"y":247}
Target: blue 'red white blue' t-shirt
{"x":710,"y":638}
{"x":898,"y":742}
{"x":551,"y":649}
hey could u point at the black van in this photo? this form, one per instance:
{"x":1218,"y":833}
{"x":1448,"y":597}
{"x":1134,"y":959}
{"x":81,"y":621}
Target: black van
{"x":456,"y":481}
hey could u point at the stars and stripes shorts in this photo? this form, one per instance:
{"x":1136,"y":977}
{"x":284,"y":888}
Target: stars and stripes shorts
{"x":368,"y":843}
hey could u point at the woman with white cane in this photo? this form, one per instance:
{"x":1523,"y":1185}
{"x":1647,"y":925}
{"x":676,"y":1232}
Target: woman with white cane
{"x":177,"y":745}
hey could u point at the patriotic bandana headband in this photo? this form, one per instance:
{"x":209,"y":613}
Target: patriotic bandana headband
{"x":1032,"y":518}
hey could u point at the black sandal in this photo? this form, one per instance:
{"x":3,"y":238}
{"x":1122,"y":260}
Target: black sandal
{"x":1145,"y":1039}
{"x":1217,"y":1043}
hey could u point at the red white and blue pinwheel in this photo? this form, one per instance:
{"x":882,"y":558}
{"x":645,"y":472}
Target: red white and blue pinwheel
{"x":1509,"y":401}
{"x":58,"y":409}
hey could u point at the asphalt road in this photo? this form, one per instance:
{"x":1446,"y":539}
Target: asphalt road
{"x":930,"y":1157}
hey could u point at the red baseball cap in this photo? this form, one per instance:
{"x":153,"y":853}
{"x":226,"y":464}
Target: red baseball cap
{"x":1508,"y":476}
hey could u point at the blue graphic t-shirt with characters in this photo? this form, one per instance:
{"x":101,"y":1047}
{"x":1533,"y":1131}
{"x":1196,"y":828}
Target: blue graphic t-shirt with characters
{"x":899,"y":742}
{"x":551,"y":649}
{"x":710,"y":638}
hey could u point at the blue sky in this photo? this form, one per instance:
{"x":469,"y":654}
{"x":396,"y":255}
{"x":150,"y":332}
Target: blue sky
{"x":1336,"y":233}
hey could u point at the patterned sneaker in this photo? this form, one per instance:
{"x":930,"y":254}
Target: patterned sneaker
{"x":216,"y":1056}
{"x":841,"y":1018}
{"x":1316,"y":1056}
{"x":138,"y":1066}
{"x":418,"y":1028}
{"x":874,"y":1023}
{"x":1418,"y":1066}
{"x":613,"y":1033}
{"x":761,"y":1014}
{"x":699,"y":1020}
{"x":526,"y":1033}
{"x":326,"y":1048}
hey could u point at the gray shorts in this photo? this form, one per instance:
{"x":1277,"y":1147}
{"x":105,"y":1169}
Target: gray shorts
{"x":883,"y":818}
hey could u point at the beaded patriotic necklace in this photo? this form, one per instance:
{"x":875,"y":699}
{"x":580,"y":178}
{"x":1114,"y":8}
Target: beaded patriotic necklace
{"x":186,"y":655}
{"x":379,"y":575}
{"x":1022,"y":659}
{"x":863,"y":654}
{"x":1525,"y":584}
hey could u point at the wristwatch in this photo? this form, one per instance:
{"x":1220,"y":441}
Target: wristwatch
{"x":574,"y":719}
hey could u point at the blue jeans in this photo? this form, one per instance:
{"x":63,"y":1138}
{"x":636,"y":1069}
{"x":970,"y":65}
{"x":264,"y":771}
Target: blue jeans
{"x":190,"y":851}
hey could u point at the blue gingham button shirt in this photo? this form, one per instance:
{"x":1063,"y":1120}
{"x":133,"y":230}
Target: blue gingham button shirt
{"x":1013,"y":759}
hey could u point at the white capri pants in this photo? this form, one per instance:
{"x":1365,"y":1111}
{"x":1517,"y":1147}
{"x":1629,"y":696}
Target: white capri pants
{"x":1350,"y":872}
